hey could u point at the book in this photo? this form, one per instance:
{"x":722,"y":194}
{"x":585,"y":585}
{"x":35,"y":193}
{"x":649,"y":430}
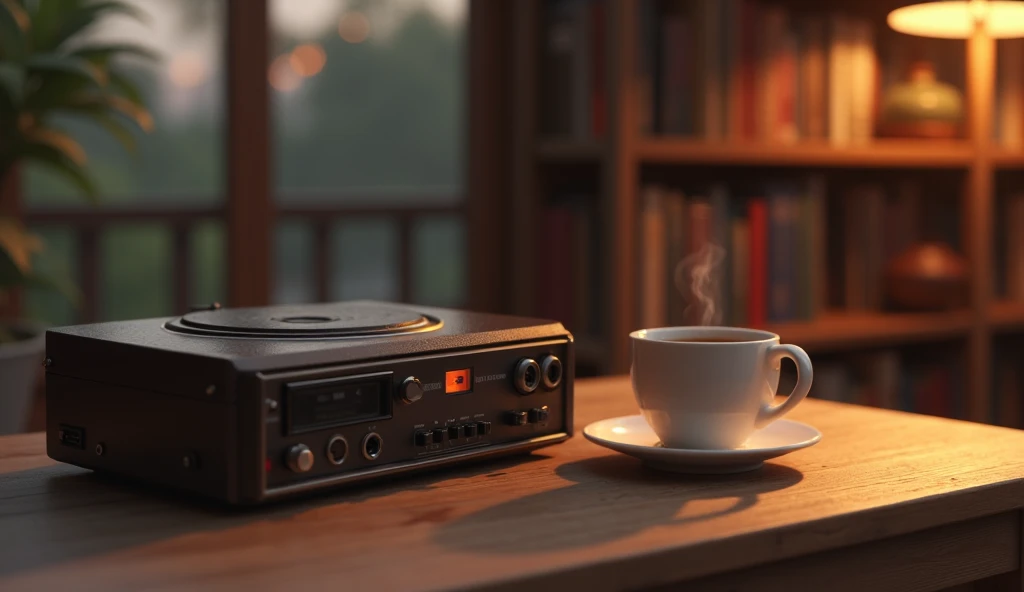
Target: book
{"x":740,"y":271}
{"x":676,"y":218}
{"x":598,"y":68}
{"x":653,"y":255}
{"x":839,"y":81}
{"x":677,"y":80}
{"x":757,"y":215}
{"x":554,"y":299}
{"x":782,"y":215}
{"x":813,"y":77}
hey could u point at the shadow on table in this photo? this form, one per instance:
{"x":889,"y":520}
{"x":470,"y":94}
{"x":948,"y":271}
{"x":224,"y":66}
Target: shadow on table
{"x":611,"y":497}
{"x":61,"y":513}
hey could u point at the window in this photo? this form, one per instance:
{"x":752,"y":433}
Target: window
{"x":368,"y":149}
{"x":367,"y":118}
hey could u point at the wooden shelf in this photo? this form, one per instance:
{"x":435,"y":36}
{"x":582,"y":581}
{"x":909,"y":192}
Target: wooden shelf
{"x":1006,"y":315}
{"x":570,"y":150}
{"x":877,"y":154}
{"x":1007,"y":157}
{"x":838,"y":331}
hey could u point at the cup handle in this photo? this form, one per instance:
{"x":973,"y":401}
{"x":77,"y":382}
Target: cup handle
{"x":804,"y":377}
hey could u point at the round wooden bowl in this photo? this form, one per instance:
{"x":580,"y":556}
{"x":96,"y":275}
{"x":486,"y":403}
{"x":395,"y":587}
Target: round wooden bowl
{"x":926,"y":277}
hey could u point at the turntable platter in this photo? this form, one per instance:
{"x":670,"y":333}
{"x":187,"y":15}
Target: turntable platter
{"x":314,"y":321}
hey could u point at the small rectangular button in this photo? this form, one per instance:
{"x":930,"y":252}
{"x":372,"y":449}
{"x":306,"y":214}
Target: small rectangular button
{"x":483,"y":427}
{"x":469,"y":429}
{"x":439,"y":435}
{"x":454,"y":432}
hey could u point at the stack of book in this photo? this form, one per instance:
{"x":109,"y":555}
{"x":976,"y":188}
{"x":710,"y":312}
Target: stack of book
{"x":886,"y":379}
{"x":766,"y":252}
{"x":743,"y":70}
{"x":569,"y":281}
{"x":574,"y":69}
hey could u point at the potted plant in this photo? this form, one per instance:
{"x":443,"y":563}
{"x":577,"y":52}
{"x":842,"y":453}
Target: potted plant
{"x":49,"y":71}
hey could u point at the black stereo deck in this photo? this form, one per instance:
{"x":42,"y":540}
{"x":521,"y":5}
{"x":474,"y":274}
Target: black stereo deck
{"x":248,"y":405}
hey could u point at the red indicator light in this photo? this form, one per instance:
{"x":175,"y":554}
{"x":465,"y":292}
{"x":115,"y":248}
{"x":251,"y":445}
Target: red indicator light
{"x":268,"y":465}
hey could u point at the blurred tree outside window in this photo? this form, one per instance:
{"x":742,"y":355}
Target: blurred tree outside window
{"x":179,"y":164}
{"x":367,"y":112}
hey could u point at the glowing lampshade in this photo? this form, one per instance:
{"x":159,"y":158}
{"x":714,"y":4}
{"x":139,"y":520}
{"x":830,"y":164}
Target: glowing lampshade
{"x":956,"y":19}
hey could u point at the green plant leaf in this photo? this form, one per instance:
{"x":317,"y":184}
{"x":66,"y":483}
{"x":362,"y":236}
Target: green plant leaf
{"x":53,"y":80}
{"x":49,"y":63}
{"x":114,"y":127}
{"x":18,"y":244}
{"x":14,"y":23}
{"x":102,"y":54}
{"x":74,"y":16}
{"x":12,"y":78}
{"x":63,"y":155}
{"x":126,"y":87}
{"x":46,"y":19}
{"x":11,"y":275}
{"x":96,"y":105}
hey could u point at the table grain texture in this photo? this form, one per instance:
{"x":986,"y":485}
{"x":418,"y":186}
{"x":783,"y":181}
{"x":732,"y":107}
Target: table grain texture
{"x":886,"y":501}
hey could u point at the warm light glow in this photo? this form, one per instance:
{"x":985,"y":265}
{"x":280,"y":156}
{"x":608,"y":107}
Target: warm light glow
{"x":187,"y":70}
{"x":281,"y":76}
{"x":619,"y":430}
{"x":956,"y":19}
{"x":354,"y":27}
{"x":307,"y":59}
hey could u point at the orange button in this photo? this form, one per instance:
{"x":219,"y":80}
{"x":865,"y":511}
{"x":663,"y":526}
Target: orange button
{"x":458,"y":381}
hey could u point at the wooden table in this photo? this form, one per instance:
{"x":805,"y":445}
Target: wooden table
{"x":886,"y":501}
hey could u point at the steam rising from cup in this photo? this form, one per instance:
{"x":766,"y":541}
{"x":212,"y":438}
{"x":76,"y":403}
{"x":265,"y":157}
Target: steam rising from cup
{"x":696,"y":279}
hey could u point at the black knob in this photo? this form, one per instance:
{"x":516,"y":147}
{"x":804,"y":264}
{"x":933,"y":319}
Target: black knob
{"x":469,"y":429}
{"x":423,"y":438}
{"x":483,"y":428}
{"x":411,"y":390}
{"x":538,"y":415}
{"x":299,"y":458}
{"x":454,"y":432}
{"x":515,"y":418}
{"x":439,"y":435}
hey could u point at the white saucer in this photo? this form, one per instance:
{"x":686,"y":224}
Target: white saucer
{"x":631,"y":435}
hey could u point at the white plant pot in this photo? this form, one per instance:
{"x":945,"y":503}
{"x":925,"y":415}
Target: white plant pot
{"x":19,"y":367}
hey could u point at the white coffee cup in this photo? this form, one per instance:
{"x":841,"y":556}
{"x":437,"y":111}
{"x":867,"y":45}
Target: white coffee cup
{"x":712,"y":394}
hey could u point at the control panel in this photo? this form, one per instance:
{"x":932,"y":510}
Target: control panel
{"x":328,"y":422}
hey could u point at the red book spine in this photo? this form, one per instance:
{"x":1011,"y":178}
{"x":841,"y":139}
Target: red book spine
{"x":597,"y":65}
{"x":757,"y":297}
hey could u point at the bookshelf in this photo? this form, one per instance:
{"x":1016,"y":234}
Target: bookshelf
{"x":616,"y":162}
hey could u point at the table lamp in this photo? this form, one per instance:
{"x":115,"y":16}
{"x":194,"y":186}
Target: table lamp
{"x":981,"y":22}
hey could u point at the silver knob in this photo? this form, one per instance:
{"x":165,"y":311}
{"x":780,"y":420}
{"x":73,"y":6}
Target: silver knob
{"x":300,"y":458}
{"x":411,"y":389}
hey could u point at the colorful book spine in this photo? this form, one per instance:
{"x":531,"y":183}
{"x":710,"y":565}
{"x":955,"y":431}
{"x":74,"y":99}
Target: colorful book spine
{"x":676,"y":218}
{"x":740,"y":257}
{"x":782,"y":210}
{"x":653,"y":264}
{"x":757,"y":215}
